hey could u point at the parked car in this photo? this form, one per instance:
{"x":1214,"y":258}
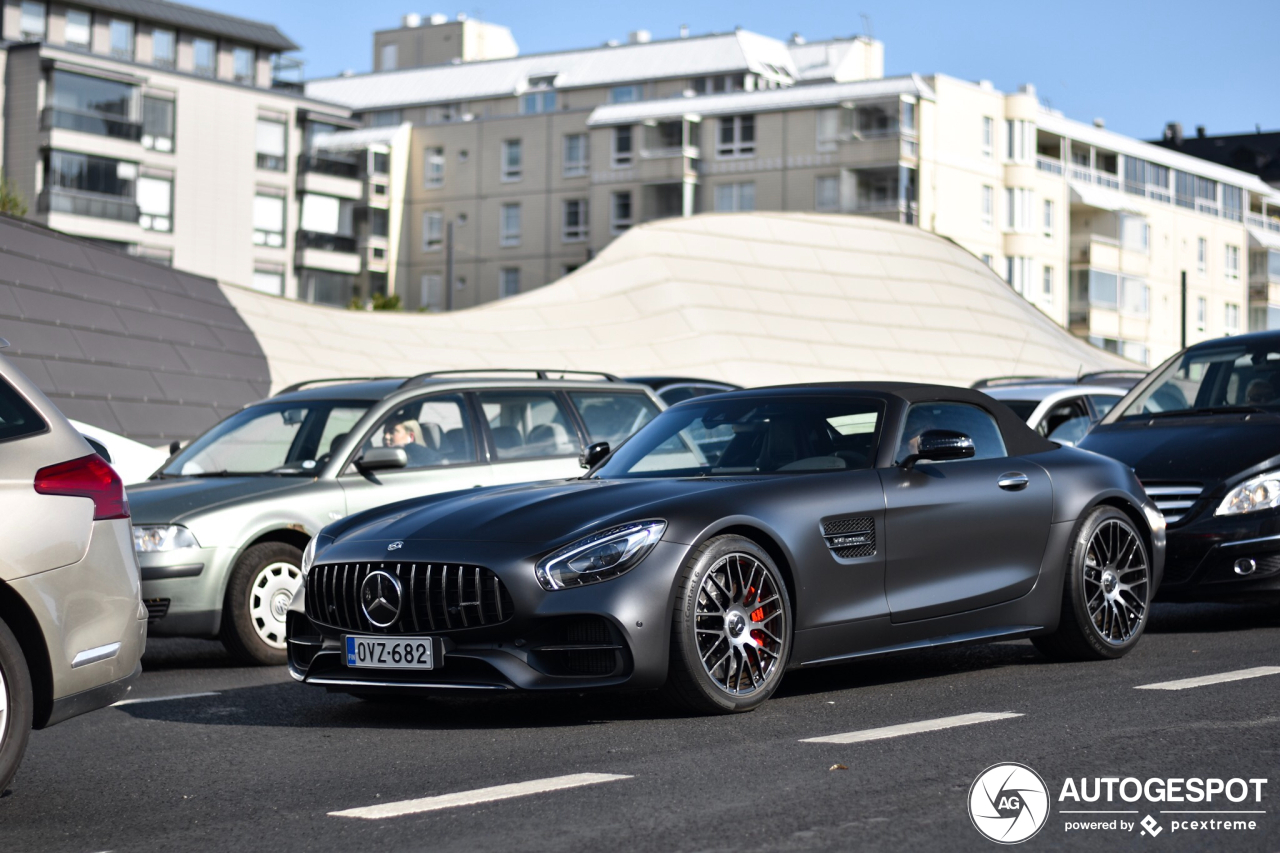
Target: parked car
{"x":1203,"y":434}
{"x":72,"y":625}
{"x":1062,"y":413}
{"x":677,"y":389}
{"x":220,"y":530}
{"x":735,"y":537}
{"x":133,"y":460}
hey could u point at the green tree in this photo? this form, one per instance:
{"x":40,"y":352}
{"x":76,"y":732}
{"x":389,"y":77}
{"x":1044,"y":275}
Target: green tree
{"x":11,"y":201}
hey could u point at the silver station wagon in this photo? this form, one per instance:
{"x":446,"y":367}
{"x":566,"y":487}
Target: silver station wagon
{"x":221,"y":528}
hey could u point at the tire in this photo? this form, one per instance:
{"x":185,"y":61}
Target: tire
{"x":1106,"y":593}
{"x":728,"y":575}
{"x":261,"y":587}
{"x":16,"y":705}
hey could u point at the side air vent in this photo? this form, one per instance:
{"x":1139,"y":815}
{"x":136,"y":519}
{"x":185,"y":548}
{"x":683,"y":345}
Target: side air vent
{"x":850,"y":537}
{"x":1174,"y":500}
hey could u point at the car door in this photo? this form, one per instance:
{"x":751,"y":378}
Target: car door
{"x":443,"y":446}
{"x":963,"y":534}
{"x":531,"y":435}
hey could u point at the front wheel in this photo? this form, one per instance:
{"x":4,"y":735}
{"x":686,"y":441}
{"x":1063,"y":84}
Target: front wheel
{"x":731,"y":628}
{"x":16,"y":706}
{"x":1106,"y":593}
{"x":262,"y":586}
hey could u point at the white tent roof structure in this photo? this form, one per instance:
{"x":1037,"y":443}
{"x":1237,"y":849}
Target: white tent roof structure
{"x":750,"y":298}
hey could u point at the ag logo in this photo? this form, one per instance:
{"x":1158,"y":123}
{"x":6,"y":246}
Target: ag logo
{"x":1008,"y":803}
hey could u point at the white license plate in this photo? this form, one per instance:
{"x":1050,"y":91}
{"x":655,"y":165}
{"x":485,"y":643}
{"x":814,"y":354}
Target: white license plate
{"x":389,"y":653}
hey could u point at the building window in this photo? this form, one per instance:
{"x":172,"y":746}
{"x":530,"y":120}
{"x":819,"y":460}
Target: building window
{"x":1018,"y":274}
{"x":122,"y":39}
{"x":1202,"y":313}
{"x":85,"y":185}
{"x":510,"y":284}
{"x":433,"y":168}
{"x":157,"y":124}
{"x":271,"y":144}
{"x":575,"y":155}
{"x":1202,"y":255}
{"x":1021,"y":140}
{"x":206,"y":57}
{"x":325,"y":217}
{"x":737,"y":137}
{"x":432,"y":231}
{"x":1017,"y":209}
{"x":826,"y":192}
{"x":93,"y":105}
{"x":989,"y":261}
{"x":1097,"y":288}
{"x":828,"y":131}
{"x":1232,"y":203}
{"x":390,"y":57}
{"x":1231,"y":318}
{"x":988,"y":206}
{"x":268,"y":220}
{"x":242,"y":65}
{"x":443,"y":113}
{"x":1135,"y":233}
{"x":621,"y":212}
{"x":512,"y":160}
{"x":1048,"y":218}
{"x":574,"y":220}
{"x":736,"y":197}
{"x":155,"y":203}
{"x":79,"y":29}
{"x":327,"y":288}
{"x":1048,"y":283}
{"x":268,"y":279}
{"x":380,"y":163}
{"x":1232,"y":262}
{"x":1134,"y":295}
{"x":988,"y":136}
{"x":621,"y":147}
{"x":163,"y":54}
{"x":31,"y":21}
{"x":908,"y":121}
{"x":624,"y":94}
{"x":431,"y":295}
{"x":509,"y":226}
{"x":538,"y":102}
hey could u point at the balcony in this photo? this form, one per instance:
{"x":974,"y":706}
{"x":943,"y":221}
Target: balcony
{"x":1265,"y":222}
{"x":1048,"y":164}
{"x":1089,"y":176}
{"x":329,"y":166}
{"x":79,"y":203}
{"x":326,"y":242}
{"x":85,"y":122}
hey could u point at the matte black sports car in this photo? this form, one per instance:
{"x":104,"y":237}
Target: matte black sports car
{"x":732,"y":538}
{"x":1202,"y":432}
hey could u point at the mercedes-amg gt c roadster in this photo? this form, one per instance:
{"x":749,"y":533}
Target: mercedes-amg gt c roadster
{"x":732,"y":538}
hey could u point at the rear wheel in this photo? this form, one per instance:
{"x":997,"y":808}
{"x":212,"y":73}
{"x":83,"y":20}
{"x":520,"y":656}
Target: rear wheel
{"x":731,"y":628}
{"x":259,"y":593}
{"x":1106,"y":593}
{"x":15,"y":706}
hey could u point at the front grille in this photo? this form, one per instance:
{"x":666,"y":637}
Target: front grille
{"x":850,"y":537}
{"x":1174,"y":499}
{"x":434,"y":597}
{"x":157,"y":609}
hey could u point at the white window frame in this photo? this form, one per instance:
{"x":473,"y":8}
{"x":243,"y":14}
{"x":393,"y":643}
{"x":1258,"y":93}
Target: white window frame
{"x":623,"y":159}
{"x":832,"y":204}
{"x":1231,"y":264}
{"x":579,"y":167}
{"x":508,"y":235}
{"x":579,"y":232}
{"x":1127,"y":284}
{"x":512,"y":172}
{"x":389,"y":51}
{"x":1047,"y":284}
{"x":263,"y":236}
{"x":626,"y":94}
{"x":827,"y":129}
{"x":28,"y":12}
{"x":988,"y":206}
{"x":506,"y":276}
{"x":736,"y":148}
{"x":737,"y":195}
{"x":618,"y":225}
{"x":87,"y":42}
{"x":431,"y":284}
{"x":171,"y":60}
{"x":1202,"y":255}
{"x":432,"y":230}
{"x":1018,"y":273}
{"x":155,"y":220}
{"x":1020,"y":140}
{"x":1231,"y":318}
{"x":202,"y":70}
{"x":123,"y":25}
{"x":1049,"y":216}
{"x":433,"y":161}
{"x":1202,"y":313}
{"x":988,"y":136}
{"x":237,"y":53}
{"x":1018,"y":209}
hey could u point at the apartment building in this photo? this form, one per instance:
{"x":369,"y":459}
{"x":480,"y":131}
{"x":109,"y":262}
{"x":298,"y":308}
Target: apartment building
{"x":162,"y":130}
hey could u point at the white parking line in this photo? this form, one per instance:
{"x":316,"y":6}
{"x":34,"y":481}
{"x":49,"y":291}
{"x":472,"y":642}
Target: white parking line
{"x":1237,"y":675}
{"x":479,"y":795}
{"x":162,"y":699}
{"x":911,"y":728}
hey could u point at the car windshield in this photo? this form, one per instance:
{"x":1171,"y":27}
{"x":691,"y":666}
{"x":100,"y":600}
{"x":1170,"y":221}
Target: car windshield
{"x":1022,"y":408}
{"x":1214,"y":379}
{"x":272,"y":438}
{"x":752,"y":435}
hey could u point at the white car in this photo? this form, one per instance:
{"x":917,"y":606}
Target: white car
{"x":1061,"y":412}
{"x":133,"y":460}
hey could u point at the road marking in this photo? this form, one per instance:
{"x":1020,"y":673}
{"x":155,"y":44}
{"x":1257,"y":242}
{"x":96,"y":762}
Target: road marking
{"x":911,"y":728}
{"x":162,"y":699}
{"x":479,"y":795}
{"x":1237,"y":675}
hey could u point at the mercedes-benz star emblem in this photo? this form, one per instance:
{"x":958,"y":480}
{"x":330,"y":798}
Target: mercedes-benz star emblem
{"x":380,"y":598}
{"x":395,"y":546}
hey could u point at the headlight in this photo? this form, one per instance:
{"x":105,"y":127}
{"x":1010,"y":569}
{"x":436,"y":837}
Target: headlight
{"x":149,"y":538}
{"x":1260,"y":492}
{"x":600,"y":556}
{"x":309,"y":555}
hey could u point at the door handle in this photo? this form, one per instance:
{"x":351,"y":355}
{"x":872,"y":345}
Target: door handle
{"x":1013,"y":481}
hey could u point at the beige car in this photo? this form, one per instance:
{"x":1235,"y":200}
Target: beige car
{"x":72,"y":624}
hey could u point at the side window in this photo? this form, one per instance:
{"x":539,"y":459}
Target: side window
{"x":957,"y":417}
{"x":1102,"y":403}
{"x":1066,"y":410}
{"x":17,"y":418}
{"x":613,"y":417}
{"x":528,"y":425}
{"x":434,"y":431}
{"x":341,"y":420}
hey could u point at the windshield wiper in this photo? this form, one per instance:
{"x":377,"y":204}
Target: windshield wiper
{"x":1207,"y":410}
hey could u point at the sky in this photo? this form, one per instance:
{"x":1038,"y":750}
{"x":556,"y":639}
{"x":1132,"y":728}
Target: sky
{"x":1137,"y":65}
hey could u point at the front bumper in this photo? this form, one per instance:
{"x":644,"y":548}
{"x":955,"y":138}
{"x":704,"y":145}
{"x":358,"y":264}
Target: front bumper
{"x":1204,"y":550}
{"x":183,"y":590}
{"x":610,"y":634}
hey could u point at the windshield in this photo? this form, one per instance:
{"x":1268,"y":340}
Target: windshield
{"x":752,"y":435}
{"x":272,"y":438}
{"x":1022,"y":408}
{"x":1213,"y":379}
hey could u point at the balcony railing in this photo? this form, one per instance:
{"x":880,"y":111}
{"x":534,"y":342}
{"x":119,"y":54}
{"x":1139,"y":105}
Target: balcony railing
{"x":326,"y":242}
{"x":1089,"y":176}
{"x":1262,"y":222}
{"x":329,"y":166}
{"x":79,"y":203}
{"x":85,"y":122}
{"x":1046,"y":164}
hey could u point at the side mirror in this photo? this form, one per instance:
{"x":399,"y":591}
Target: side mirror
{"x":174,"y":447}
{"x":594,"y":454}
{"x":1070,"y":432}
{"x":941,"y":445}
{"x":382,"y":459}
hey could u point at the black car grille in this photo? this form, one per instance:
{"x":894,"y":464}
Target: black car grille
{"x":157,"y":609}
{"x":1174,"y":500}
{"x":850,"y":537}
{"x":434,"y":597}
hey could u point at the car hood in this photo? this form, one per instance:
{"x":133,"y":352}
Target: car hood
{"x":534,"y":512}
{"x":1204,"y":449}
{"x":169,"y":500}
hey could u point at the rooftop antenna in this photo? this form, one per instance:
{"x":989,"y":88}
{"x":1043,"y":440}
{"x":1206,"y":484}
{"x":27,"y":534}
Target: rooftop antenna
{"x":866,"y":25}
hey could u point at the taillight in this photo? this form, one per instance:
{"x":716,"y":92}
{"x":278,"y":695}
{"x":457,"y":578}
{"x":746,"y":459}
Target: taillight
{"x":87,"y":477}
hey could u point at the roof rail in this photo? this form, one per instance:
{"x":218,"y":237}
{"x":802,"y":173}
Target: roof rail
{"x":537,"y":373}
{"x":1002,"y":381}
{"x":1086,"y":378}
{"x":298,"y":386}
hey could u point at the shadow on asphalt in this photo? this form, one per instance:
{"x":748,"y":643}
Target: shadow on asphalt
{"x":165,"y":653}
{"x":1212,"y":618}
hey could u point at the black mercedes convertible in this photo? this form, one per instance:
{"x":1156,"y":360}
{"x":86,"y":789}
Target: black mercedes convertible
{"x":734,"y":537}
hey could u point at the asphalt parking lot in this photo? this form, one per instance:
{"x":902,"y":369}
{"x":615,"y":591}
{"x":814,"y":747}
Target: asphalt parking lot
{"x":229,"y":758}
